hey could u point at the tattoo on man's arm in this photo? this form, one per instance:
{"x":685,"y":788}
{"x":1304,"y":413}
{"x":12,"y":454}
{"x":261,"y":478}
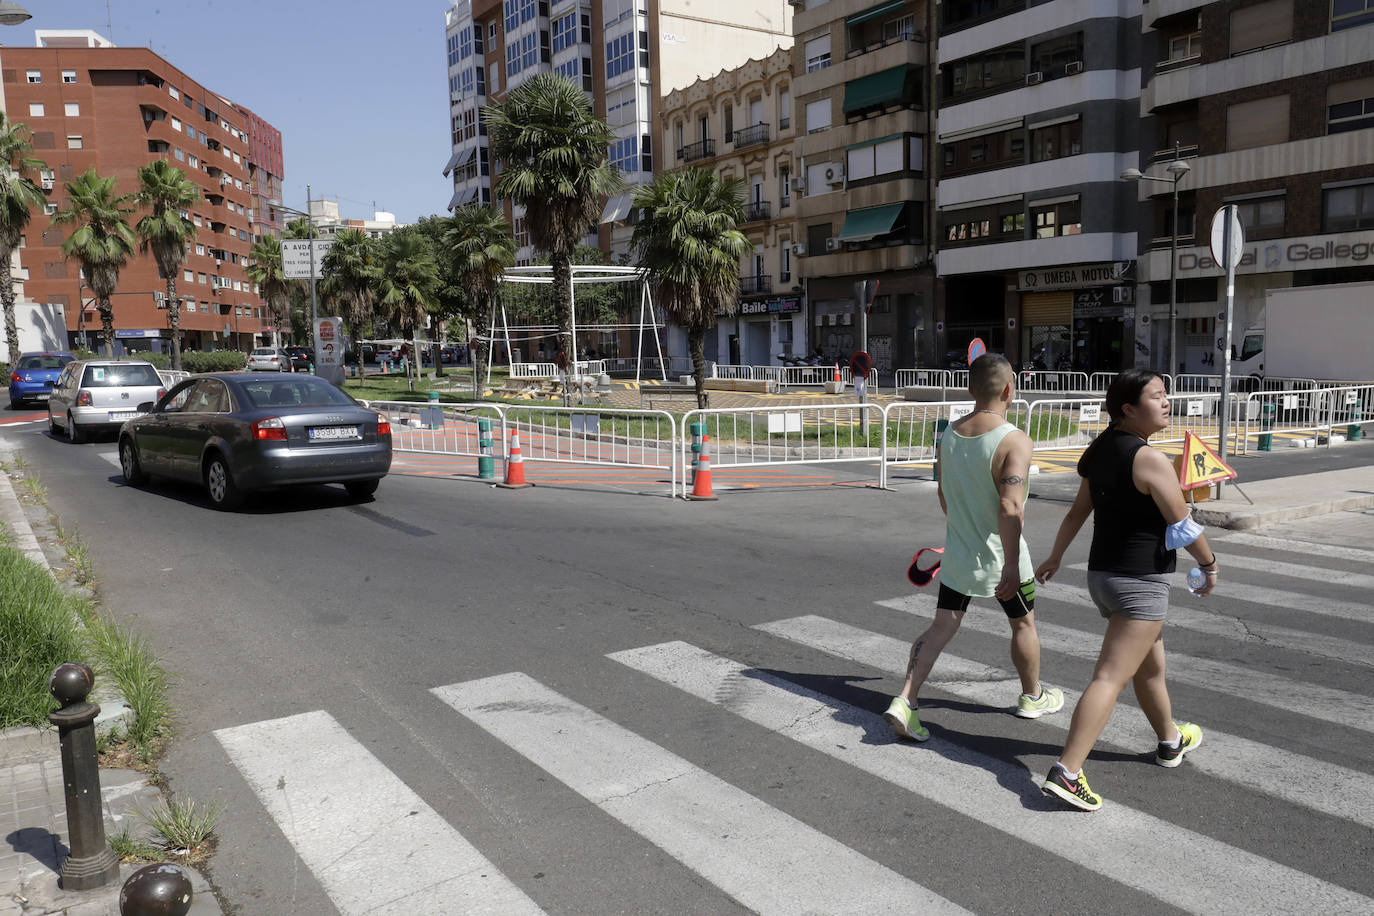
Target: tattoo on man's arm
{"x":1013,"y":480}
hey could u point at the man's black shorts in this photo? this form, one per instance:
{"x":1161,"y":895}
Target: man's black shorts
{"x":1020,"y":604}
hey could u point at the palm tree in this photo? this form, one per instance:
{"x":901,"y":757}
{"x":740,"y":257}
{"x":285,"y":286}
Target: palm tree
{"x":19,"y":198}
{"x":350,"y":279}
{"x":102,"y":242}
{"x":407,"y":281}
{"x":554,"y":152}
{"x":167,"y":231}
{"x":482,"y":246}
{"x":691,"y":247}
{"x":266,"y":273}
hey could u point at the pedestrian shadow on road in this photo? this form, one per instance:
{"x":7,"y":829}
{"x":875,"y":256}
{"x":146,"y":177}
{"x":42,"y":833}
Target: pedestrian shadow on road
{"x":42,"y":844}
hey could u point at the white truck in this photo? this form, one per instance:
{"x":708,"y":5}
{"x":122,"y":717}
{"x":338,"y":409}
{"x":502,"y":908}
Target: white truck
{"x":41,"y":326}
{"x":1311,"y":332}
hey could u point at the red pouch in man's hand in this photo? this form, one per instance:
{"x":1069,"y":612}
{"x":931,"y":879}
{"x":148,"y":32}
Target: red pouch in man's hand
{"x":922,"y":577}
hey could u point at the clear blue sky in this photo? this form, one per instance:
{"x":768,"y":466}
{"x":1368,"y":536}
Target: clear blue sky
{"x":362,"y":104}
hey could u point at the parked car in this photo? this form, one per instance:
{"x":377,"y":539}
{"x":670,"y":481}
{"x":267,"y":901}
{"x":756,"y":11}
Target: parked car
{"x":269,"y":359}
{"x":302,"y":358}
{"x":34,"y":374}
{"x":92,"y":395}
{"x":237,"y":432}
{"x":449,"y":355}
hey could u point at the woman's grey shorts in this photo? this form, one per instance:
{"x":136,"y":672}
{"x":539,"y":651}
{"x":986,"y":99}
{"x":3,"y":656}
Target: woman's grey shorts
{"x":1136,"y":597}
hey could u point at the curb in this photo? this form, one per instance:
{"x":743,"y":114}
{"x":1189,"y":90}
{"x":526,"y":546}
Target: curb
{"x":1259,"y":518}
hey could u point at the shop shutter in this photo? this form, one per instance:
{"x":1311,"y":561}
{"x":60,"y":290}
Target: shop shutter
{"x":1047,"y":309}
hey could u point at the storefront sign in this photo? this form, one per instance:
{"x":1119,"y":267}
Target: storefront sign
{"x":127,"y":333}
{"x":1096,"y":303}
{"x":789,"y":306}
{"x":1348,"y":249}
{"x":1074,"y":275}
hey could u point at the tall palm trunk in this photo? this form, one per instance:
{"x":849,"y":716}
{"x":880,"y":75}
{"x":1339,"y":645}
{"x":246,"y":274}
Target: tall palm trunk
{"x":7,"y":298}
{"x":696,"y":345}
{"x":106,"y":324}
{"x":174,"y":319}
{"x":478,"y":356}
{"x":563,"y":308}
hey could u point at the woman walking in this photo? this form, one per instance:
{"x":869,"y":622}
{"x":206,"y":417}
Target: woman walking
{"x":1139,"y":520}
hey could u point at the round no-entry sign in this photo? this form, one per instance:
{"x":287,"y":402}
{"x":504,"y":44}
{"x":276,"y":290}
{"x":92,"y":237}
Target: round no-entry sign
{"x":560,"y":359}
{"x":860,"y":364}
{"x":976,"y":348}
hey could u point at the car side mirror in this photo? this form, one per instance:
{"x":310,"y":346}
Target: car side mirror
{"x":145,"y":407}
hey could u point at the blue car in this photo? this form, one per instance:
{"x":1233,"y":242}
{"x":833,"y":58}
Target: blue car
{"x":33,"y":375}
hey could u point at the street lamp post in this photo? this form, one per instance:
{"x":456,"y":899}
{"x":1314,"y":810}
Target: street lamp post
{"x":1176,"y":169}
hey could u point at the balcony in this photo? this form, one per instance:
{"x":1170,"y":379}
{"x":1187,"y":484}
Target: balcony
{"x":699,"y":150}
{"x":749,"y":286}
{"x":757,"y":210}
{"x":756,"y":133}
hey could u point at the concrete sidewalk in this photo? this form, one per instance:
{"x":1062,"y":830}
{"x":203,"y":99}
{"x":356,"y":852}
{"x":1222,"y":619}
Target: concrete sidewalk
{"x":33,"y":811}
{"x":1283,"y":499}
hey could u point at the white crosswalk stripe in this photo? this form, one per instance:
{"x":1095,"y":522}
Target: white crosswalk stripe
{"x":1301,"y":780}
{"x":359,"y":829}
{"x":1219,"y":877}
{"x":1289,"y":546}
{"x":1327,"y":703}
{"x":1202,"y":619}
{"x":1299,"y":571}
{"x":759,"y":855}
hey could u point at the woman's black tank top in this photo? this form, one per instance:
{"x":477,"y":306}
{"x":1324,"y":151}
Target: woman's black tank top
{"x":1128,"y":528}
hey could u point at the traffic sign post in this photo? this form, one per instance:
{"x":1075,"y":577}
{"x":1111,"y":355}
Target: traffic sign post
{"x":1228,"y":241}
{"x":1200,"y":466}
{"x":296,"y":262}
{"x":860,"y":364}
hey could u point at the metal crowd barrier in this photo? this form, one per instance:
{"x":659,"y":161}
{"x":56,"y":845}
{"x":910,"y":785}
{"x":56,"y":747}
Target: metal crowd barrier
{"x":621,"y":438}
{"x":1351,"y":407}
{"x":913,"y":427}
{"x":791,"y":376}
{"x":170,"y":377}
{"x":1043,"y":380}
{"x":533,"y":370}
{"x":732,"y":372}
{"x":922,"y":378}
{"x":447,"y":429}
{"x":1101,"y":381}
{"x":742,"y":437}
{"x":1070,"y":423}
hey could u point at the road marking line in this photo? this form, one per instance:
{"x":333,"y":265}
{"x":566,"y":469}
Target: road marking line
{"x":1313,"y":700}
{"x":1300,"y":571}
{"x":1275,"y":597}
{"x":1300,"y":780}
{"x":1310,"y":548}
{"x":1239,"y":628}
{"x":765,"y":859}
{"x":999,"y":793}
{"x":374,"y":845}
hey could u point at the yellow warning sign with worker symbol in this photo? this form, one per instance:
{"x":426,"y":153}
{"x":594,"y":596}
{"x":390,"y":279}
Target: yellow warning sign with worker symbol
{"x":1201,"y":465}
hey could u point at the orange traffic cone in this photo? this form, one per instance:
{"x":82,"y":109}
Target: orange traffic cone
{"x":837,"y":374}
{"x":702,"y":488}
{"x":515,"y":464}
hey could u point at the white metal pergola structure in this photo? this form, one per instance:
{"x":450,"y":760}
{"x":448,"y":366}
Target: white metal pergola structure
{"x":584,"y":274}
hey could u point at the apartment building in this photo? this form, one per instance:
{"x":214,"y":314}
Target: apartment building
{"x":91,"y":104}
{"x":266,"y":170}
{"x":1271,"y":105}
{"x":328,"y":221}
{"x":1038,"y":117}
{"x":626,"y":54}
{"x":862,"y":173}
{"x":738,"y":124}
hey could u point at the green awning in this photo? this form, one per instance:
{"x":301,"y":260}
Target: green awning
{"x":870,"y":222}
{"x":876,"y":89}
{"x":874,"y":11}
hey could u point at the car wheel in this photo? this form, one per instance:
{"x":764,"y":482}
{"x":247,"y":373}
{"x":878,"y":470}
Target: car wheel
{"x":362,"y":488}
{"x":220,"y":486}
{"x":129,"y":464}
{"x":74,"y":435}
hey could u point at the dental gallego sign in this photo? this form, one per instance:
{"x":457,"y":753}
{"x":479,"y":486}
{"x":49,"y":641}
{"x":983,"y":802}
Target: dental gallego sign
{"x":1347,"y":249}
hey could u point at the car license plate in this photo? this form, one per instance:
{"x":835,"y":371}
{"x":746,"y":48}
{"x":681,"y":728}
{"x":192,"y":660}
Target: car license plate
{"x":334,"y":432}
{"x":42,"y":396}
{"x":121,"y":414}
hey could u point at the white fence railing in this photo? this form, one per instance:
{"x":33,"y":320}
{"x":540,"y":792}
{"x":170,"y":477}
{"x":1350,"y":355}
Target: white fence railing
{"x":792,"y":376}
{"x":731,"y":371}
{"x":533,"y":370}
{"x":921,"y":378}
{"x":1041,"y":380}
{"x":743,"y":437}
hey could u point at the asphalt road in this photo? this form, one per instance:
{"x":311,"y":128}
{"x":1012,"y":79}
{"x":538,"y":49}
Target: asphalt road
{"x":312,"y":602}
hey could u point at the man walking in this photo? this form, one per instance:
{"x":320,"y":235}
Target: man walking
{"x":984,"y":464}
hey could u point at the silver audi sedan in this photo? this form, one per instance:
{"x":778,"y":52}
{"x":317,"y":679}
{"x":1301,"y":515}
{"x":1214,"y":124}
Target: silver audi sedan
{"x":235,"y":433}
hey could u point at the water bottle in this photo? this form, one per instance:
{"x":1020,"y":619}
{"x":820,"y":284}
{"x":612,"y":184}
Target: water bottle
{"x":1197,"y":579}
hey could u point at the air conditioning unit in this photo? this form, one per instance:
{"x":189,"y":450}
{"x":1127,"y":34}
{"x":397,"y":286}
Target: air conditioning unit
{"x":799,"y":249}
{"x":834,"y":173}
{"x":1073,"y":66}
{"x":832,"y":244}
{"x":48,"y":183}
{"x":1034,"y":77}
{"x":799,"y":183}
{"x":1122,"y":295}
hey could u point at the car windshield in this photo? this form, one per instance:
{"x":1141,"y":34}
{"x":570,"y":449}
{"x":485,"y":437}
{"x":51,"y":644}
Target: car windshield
{"x":45,"y":361}
{"x":298,"y":392}
{"x":131,"y":376}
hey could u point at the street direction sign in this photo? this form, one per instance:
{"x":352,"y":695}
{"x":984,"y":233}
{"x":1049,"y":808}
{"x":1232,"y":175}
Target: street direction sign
{"x":295,"y":257}
{"x":1220,"y":253}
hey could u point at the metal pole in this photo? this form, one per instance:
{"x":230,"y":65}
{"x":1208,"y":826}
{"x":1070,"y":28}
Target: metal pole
{"x":1173,"y":280}
{"x":310,"y":229}
{"x":91,"y":863}
{"x":1226,"y":354}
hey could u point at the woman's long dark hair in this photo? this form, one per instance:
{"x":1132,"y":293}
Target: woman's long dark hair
{"x":1125,"y":389}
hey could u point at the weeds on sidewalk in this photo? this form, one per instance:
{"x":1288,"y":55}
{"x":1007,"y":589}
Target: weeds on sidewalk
{"x":37,"y":633}
{"x":130,"y":848}
{"x":77,"y":554}
{"x":186,"y":830}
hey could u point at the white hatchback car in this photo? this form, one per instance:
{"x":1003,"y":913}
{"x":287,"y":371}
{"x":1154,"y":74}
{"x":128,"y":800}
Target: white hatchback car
{"x":269,"y":359}
{"x":100,"y":394}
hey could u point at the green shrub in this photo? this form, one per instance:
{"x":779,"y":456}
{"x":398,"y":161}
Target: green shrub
{"x":213,"y":361}
{"x":160,"y":360}
{"x":37,"y":633}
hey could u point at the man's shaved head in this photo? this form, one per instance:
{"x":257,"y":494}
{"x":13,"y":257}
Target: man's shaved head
{"x":988,"y":375}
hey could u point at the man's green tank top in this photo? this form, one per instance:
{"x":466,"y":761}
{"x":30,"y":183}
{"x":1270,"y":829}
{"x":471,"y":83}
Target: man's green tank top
{"x":972,"y":561}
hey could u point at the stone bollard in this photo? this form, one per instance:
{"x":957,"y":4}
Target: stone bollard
{"x":156,"y":890}
{"x":91,"y":863}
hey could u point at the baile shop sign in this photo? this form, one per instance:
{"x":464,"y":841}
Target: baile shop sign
{"x":1348,"y":249}
{"x":788,"y":305}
